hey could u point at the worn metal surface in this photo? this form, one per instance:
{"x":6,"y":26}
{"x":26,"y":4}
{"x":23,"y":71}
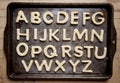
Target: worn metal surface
{"x":102,"y":69}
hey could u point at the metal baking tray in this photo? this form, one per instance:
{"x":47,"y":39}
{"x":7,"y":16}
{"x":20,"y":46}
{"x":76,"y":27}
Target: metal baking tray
{"x":96,"y":69}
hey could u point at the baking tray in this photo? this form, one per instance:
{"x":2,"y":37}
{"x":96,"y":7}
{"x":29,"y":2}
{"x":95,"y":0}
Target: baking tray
{"x":102,"y":68}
